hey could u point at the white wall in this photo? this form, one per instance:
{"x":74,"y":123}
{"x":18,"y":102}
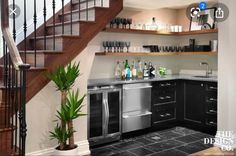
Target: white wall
{"x":41,"y":110}
{"x":227,"y":71}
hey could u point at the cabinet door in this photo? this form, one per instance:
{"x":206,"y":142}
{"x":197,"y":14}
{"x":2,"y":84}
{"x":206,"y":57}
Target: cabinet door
{"x":194,"y":101}
{"x":113,"y":99}
{"x":96,"y":115}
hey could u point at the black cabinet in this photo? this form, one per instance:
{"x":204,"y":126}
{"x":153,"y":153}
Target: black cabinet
{"x":194,"y":101}
{"x":163,"y":102}
{"x":200,"y":105}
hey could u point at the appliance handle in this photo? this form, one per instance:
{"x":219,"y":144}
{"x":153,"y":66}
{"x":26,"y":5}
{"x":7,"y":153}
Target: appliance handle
{"x":139,"y":115}
{"x":107,"y":112}
{"x":146,"y":87}
{"x":105,"y":118}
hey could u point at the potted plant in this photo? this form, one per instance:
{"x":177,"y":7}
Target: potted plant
{"x":70,"y":108}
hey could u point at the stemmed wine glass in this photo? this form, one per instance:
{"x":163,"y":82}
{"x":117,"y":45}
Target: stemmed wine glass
{"x":129,"y":22}
{"x":124,"y":22}
{"x":112,"y":23}
{"x":117,"y":44}
{"x":118,"y":22}
{"x":127,"y":45}
{"x":104,"y":46}
{"x":122,"y":45}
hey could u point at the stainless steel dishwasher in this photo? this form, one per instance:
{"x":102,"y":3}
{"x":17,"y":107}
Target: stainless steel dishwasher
{"x":136,"y":107}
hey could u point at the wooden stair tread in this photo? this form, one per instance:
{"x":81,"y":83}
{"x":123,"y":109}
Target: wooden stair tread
{"x":57,"y":36}
{"x":31,"y":69}
{"x":69,"y":22}
{"x":6,"y":129}
{"x":84,"y":9}
{"x":42,"y":52}
{"x":80,"y":2}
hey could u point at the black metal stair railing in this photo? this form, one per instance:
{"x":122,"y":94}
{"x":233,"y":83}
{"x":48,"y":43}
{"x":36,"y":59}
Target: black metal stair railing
{"x":14,"y":64}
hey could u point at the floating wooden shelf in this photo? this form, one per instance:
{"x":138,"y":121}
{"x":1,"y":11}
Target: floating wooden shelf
{"x":156,"y":53}
{"x":151,"y":32}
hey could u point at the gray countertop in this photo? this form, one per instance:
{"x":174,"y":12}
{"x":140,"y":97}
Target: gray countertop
{"x":112,"y":81}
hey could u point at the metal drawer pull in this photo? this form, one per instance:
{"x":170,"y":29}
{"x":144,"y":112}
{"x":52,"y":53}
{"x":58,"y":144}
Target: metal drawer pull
{"x":212,"y":122}
{"x":213,"y":88}
{"x":212,"y":99}
{"x":163,"y":98}
{"x":165,"y":115}
{"x":212,"y":111}
{"x":168,"y":114}
{"x":146,"y":87}
{"x":139,"y":115}
{"x":163,"y":85}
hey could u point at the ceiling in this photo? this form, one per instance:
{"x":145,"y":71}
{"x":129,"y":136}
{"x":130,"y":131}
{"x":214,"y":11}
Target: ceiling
{"x":158,"y":4}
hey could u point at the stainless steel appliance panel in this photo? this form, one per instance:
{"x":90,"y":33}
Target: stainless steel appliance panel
{"x":135,"y":121}
{"x":137,"y":97}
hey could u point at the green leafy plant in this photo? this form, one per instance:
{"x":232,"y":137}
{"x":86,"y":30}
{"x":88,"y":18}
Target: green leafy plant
{"x":71,"y":104}
{"x":162,"y":71}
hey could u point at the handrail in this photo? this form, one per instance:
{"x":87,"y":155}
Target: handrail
{"x":13,"y":51}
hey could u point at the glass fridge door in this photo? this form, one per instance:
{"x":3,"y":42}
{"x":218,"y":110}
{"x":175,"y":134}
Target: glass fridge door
{"x":96,"y":115}
{"x":114,"y":109}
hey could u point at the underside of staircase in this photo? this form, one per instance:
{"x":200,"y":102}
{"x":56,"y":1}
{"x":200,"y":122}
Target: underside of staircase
{"x":89,"y":17}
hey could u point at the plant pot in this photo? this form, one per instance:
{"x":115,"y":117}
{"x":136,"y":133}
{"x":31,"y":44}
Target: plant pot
{"x":71,"y":152}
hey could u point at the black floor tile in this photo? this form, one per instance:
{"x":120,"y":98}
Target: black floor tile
{"x":183,"y":131}
{"x":164,"y":145}
{"x":171,"y":152}
{"x":140,"y":151}
{"x":103,"y":151}
{"x":144,"y":141}
{"x":127,"y":145}
{"x":187,"y":139}
{"x":123,"y":154}
{"x":200,"y":135}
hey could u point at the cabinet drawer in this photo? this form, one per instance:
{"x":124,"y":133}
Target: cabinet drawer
{"x":211,"y":108}
{"x":166,"y":84}
{"x":165,"y":97}
{"x":164,"y":113}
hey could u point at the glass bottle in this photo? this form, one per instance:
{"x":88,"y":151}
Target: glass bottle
{"x":140,"y":70}
{"x":134,"y":70}
{"x":118,"y":70}
{"x":145,"y":71}
{"x":154,"y":25}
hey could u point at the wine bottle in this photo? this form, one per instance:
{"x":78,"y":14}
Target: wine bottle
{"x":145,"y":71}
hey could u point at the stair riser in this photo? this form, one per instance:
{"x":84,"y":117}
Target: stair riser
{"x":4,"y":117}
{"x":5,"y":140}
{"x":30,"y":59}
{"x":67,"y":29}
{"x":98,"y":3}
{"x":49,"y":44}
{"x":81,"y":16}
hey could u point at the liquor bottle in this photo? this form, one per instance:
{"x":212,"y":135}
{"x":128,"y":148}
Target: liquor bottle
{"x":140,"y":70}
{"x":145,"y":71}
{"x":118,"y":70}
{"x":134,"y":70}
{"x":152,"y":71}
{"x":123,"y":72}
{"x":154,"y":25}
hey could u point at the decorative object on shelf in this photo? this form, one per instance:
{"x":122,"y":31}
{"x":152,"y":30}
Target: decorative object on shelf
{"x":162,"y":71}
{"x":116,"y":46}
{"x":203,"y":20}
{"x":154,"y":25}
{"x":214,"y":45}
{"x":71,"y":105}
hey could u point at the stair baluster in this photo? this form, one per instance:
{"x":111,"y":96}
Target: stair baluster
{"x":25,"y":31}
{"x":45,"y":25}
{"x":71,"y":18}
{"x":35,"y":31}
{"x":14,"y":21}
{"x":62,"y":17}
{"x":54,"y":20}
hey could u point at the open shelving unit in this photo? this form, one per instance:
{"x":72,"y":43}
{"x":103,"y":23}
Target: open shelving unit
{"x":151,"y":32}
{"x":155,"y":53}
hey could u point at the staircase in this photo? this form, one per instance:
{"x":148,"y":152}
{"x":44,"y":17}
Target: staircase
{"x":56,"y":42}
